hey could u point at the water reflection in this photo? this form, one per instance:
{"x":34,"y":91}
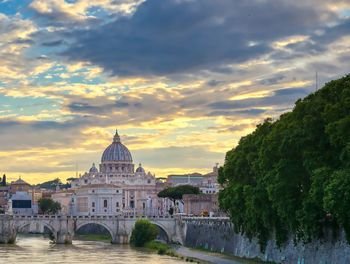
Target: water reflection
{"x":38,"y":249}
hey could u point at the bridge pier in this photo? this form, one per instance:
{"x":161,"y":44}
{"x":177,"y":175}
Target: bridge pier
{"x":63,"y":237}
{"x":120,"y":239}
{"x":7,"y":231}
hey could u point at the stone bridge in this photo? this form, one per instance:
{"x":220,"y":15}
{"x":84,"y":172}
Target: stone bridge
{"x":64,"y":227}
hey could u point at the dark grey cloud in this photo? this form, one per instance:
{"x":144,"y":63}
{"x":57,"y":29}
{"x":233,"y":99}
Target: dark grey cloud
{"x":249,"y":112}
{"x":17,"y":134}
{"x":317,"y":44}
{"x":273,"y":80}
{"x":176,"y":36}
{"x":53,"y":43}
{"x":23,"y":41}
{"x":282,"y":96}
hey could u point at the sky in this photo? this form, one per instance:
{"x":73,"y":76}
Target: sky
{"x":181,"y":80}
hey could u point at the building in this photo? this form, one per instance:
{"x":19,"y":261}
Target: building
{"x":64,"y":197}
{"x":19,"y":186}
{"x":117,"y":184}
{"x":97,"y":199}
{"x":22,"y":203}
{"x":194,"y":204}
{"x":191,"y":179}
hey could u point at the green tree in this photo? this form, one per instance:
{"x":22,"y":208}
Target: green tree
{"x":176,"y":193}
{"x":144,"y":231}
{"x":290,"y":176}
{"x":3,"y":180}
{"x":47,"y":205}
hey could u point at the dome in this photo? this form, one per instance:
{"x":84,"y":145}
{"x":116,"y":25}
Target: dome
{"x":93,"y":169}
{"x":140,"y":169}
{"x":116,"y":151}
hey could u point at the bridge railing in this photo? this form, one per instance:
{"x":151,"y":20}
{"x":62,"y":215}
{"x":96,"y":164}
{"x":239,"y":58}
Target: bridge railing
{"x":47,"y":217}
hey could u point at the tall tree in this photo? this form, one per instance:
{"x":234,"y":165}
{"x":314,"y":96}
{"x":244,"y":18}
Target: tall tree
{"x":47,"y":205}
{"x":291,"y":175}
{"x":3,"y":180}
{"x":176,"y":193}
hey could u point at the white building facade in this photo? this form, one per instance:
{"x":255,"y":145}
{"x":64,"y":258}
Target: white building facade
{"x":116,"y":187}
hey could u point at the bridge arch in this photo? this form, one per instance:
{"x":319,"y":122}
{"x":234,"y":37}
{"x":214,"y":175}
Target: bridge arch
{"x":80,"y":225}
{"x":21,"y":226}
{"x":162,"y":231}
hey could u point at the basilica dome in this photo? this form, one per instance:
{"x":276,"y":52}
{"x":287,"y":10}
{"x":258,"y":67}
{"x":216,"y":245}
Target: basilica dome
{"x":116,"y":151}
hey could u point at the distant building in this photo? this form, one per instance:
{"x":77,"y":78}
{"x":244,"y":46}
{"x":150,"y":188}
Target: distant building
{"x":191,"y":179}
{"x":97,"y":199}
{"x":137,"y":189}
{"x":64,"y":197}
{"x":194,"y":204}
{"x":19,"y":186}
{"x":211,"y":178}
{"x":22,"y":203}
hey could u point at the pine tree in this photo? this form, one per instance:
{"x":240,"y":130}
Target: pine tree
{"x":3,"y":180}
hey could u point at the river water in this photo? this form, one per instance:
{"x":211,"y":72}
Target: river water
{"x":38,"y":249}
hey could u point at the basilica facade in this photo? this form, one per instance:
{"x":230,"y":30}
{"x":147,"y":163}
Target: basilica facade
{"x":116,"y":187}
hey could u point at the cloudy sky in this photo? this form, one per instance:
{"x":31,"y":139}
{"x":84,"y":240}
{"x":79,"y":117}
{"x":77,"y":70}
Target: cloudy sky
{"x":182,"y":80}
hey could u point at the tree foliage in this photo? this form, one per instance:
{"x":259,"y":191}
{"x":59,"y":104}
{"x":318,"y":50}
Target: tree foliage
{"x":47,"y":205}
{"x":176,"y":193}
{"x":53,"y":184}
{"x":144,"y":231}
{"x":293,"y":175}
{"x":3,"y":182}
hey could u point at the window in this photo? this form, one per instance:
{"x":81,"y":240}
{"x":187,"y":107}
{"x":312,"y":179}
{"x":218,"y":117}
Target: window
{"x":148,"y":181}
{"x":93,"y":204}
{"x":93,"y":210}
{"x":105,"y":203}
{"x":117,"y":204}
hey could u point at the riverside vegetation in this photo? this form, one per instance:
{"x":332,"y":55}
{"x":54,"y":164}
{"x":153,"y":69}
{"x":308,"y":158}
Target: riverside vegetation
{"x":143,"y":235}
{"x":292,"y":175}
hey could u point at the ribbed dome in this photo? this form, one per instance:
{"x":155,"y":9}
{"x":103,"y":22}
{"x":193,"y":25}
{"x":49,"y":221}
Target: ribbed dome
{"x":116,"y":151}
{"x":140,"y":169}
{"x":93,"y":169}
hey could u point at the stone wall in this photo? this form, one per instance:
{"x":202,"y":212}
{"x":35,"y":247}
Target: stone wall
{"x":7,"y":231}
{"x":218,"y":235}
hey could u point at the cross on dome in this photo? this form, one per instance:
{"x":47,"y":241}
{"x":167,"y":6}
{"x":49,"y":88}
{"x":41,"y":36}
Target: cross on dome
{"x":116,"y":136}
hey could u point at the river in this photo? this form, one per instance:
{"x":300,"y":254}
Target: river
{"x":38,"y":249}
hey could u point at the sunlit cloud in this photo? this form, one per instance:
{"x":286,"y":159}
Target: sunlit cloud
{"x":182,"y":81}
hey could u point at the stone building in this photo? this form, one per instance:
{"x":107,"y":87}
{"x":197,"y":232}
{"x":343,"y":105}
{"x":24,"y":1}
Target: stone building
{"x":22,"y":203}
{"x":191,"y":179}
{"x":64,"y":197}
{"x":135,"y":191}
{"x":194,"y":204}
{"x":19,"y":186}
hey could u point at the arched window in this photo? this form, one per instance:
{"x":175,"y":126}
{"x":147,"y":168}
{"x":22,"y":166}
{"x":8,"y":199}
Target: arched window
{"x":105,"y":203}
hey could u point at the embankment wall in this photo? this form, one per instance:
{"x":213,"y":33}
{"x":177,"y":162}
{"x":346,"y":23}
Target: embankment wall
{"x":218,"y":235}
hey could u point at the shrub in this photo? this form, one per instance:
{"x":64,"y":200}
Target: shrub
{"x":143,"y":232}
